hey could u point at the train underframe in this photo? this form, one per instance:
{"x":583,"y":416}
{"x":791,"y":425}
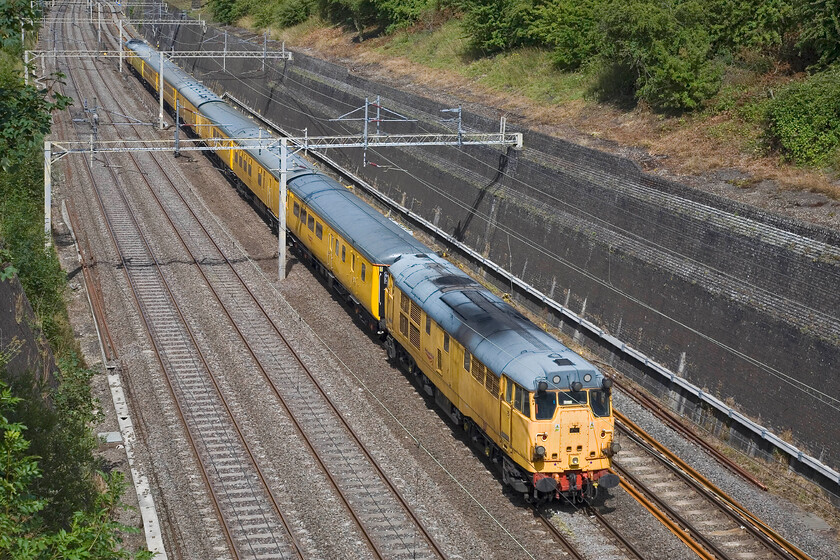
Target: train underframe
{"x":535,"y":487}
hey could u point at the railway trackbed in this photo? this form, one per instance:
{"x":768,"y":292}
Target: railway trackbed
{"x":708,"y":521}
{"x":242,"y":494}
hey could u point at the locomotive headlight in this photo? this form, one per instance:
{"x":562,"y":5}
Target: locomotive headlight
{"x":539,"y":453}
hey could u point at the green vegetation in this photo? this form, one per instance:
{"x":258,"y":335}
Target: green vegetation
{"x":49,"y":503}
{"x":675,"y":56}
{"x":805,"y":118}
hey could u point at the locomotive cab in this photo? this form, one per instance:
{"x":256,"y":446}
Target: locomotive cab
{"x":571,"y":439}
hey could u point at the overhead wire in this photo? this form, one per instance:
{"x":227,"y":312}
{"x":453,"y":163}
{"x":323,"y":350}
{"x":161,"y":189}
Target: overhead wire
{"x":753,"y":361}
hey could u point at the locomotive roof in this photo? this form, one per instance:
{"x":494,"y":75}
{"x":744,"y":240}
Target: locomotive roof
{"x":500,"y":337}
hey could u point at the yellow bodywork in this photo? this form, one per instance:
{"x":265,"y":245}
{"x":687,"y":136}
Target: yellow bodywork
{"x":575,"y":439}
{"x":358,"y":275}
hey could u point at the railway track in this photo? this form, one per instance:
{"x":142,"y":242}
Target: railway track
{"x":391,"y":528}
{"x":377,"y":507}
{"x":254,"y":526}
{"x":703,"y":516}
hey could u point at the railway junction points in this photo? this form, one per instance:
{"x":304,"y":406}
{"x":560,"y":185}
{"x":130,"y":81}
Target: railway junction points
{"x":291,"y":435}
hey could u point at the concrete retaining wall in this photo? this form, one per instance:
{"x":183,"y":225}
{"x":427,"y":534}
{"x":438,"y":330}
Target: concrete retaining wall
{"x":740,"y":302}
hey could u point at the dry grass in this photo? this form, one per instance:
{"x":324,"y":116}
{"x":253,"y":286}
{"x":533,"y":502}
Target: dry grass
{"x":694,"y":145}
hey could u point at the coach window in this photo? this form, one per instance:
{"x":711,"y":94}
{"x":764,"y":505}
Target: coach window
{"x":508,"y":391}
{"x":303,"y":216}
{"x":343,"y":252}
{"x":363,"y":272}
{"x":259,"y":177}
{"x":296,"y":211}
{"x":249,"y":168}
{"x":467,"y":360}
{"x":446,"y":342}
{"x":428,"y":325}
{"x":336,"y":247}
{"x":311,"y":223}
{"x":319,"y":231}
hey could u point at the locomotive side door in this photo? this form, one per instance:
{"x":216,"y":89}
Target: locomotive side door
{"x":505,"y":404}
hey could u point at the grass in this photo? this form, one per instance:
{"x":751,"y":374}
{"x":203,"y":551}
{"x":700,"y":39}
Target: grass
{"x":728,"y":132}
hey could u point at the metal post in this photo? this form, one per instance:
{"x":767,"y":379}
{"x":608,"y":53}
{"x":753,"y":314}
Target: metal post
{"x":99,"y":24}
{"x":177,"y":122}
{"x":364,"y":157}
{"x":378,"y":108}
{"x":265,"y":49}
{"x":281,"y":210}
{"x":47,"y":194}
{"x":160,"y":83}
{"x":121,"y":45}
{"x":224,"y":55}
{"x":26,"y":68}
{"x":460,"y":130}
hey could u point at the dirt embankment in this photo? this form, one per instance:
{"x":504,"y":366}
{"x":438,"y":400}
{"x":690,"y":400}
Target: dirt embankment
{"x":694,"y":153}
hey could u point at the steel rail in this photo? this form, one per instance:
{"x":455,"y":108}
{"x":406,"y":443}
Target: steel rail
{"x":665,"y":520}
{"x":622,"y":540}
{"x":92,"y":285}
{"x":158,"y":354}
{"x":671,"y":420}
{"x":760,"y":530}
{"x":567,"y":544}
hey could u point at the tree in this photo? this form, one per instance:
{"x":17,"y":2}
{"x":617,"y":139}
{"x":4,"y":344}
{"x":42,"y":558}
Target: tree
{"x":572,"y":27}
{"x":496,"y":25}
{"x":820,"y":29}
{"x":667,"y":48}
{"x":92,"y":534}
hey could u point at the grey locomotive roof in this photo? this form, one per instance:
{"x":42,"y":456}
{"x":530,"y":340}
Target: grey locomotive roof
{"x":500,"y":337}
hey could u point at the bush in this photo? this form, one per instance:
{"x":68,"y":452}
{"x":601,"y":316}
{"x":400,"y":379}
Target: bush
{"x":804,"y":119}
{"x":496,"y":25}
{"x":820,"y":24}
{"x":571,"y":28}
{"x":667,"y":47}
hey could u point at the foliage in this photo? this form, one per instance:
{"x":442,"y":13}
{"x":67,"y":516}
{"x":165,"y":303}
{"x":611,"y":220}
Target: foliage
{"x":14,"y":16}
{"x":497,"y":25}
{"x":226,"y":11}
{"x":667,"y":48}
{"x":804,"y":119}
{"x":571,"y":27}
{"x":399,"y":14}
{"x":25,"y":113}
{"x":759,"y":24}
{"x":354,"y":13}
{"x":23,"y":533}
{"x":820,"y":21}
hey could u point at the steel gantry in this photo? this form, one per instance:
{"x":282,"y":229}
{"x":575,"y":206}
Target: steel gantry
{"x":54,"y":151}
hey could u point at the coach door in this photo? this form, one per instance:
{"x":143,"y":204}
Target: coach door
{"x":505,"y":408}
